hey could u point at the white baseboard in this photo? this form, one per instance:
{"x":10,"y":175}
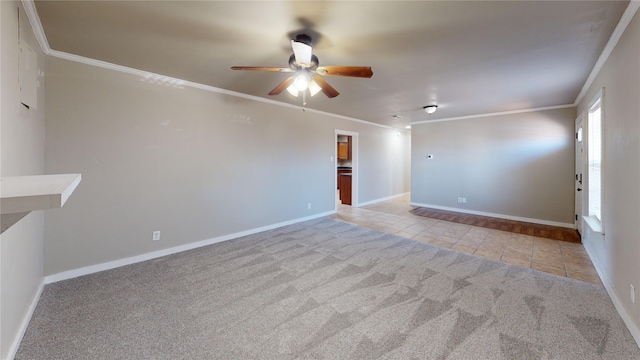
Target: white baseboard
{"x":22,"y":329}
{"x":70,"y":274}
{"x":499,"y":216}
{"x":633,"y":328}
{"x":381,"y":199}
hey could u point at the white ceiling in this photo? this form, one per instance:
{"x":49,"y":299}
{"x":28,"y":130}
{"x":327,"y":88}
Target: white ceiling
{"x":469,"y":57}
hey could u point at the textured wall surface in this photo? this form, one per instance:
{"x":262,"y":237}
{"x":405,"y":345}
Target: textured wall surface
{"x":22,"y":144}
{"x":616,"y":255}
{"x":518,"y":165}
{"x":193,"y":164}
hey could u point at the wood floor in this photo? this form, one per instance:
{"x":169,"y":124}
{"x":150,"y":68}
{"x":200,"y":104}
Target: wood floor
{"x":518,"y":227}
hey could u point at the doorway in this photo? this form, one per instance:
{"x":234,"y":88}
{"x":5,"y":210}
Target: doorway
{"x":579,"y":169}
{"x":346,"y":167}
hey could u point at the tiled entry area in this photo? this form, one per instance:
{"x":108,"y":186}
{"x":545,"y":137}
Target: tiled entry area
{"x":552,"y":256}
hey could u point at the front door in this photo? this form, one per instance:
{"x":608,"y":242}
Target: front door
{"x":579,"y":168}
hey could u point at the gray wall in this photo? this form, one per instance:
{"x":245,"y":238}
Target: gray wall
{"x":22,"y":153}
{"x":193,"y":164}
{"x":518,"y":165}
{"x":617,"y":255}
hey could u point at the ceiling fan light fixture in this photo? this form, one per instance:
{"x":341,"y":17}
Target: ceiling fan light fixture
{"x":314,"y":88}
{"x":301,"y":83}
{"x":430,"y":109}
{"x":292,"y":90}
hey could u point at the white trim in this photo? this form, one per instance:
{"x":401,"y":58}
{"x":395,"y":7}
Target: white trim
{"x":628,"y":320}
{"x":382,"y":199}
{"x":22,"y":329}
{"x":70,"y":274}
{"x":579,"y":161}
{"x":596,"y":225}
{"x":626,"y":18}
{"x":346,"y":132}
{"x":499,"y":216}
{"x":597,"y":100}
{"x":496,"y":114}
{"x":337,"y":116}
{"x":36,"y":25}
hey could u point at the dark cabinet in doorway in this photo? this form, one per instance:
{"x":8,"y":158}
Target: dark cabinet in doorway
{"x":344,"y":183}
{"x":344,"y":149}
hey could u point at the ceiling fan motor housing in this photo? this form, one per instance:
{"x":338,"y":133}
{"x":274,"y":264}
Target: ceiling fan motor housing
{"x":294,"y":66}
{"x":304,"y":38}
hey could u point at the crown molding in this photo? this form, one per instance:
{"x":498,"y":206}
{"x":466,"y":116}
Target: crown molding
{"x":626,"y":18}
{"x":467,"y":117}
{"x":36,"y":25}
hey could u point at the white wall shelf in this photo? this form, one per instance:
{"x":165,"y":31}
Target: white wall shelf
{"x":19,"y":195}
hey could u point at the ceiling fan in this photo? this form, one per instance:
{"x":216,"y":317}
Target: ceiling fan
{"x":308,"y":73}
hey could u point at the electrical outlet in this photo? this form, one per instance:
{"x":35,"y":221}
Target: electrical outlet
{"x":464,"y":200}
{"x":633,"y":294}
{"x":156,"y":236}
{"x":459,"y":200}
{"x":309,"y":206}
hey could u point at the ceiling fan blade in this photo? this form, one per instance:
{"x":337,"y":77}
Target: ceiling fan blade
{"x":302,"y":53}
{"x":326,"y":88}
{"x":261,"y":68}
{"x":283,"y":85}
{"x":353,"y":71}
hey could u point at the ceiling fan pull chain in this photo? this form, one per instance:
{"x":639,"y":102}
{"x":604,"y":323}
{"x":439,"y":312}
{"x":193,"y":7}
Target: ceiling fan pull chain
{"x":304,"y":100}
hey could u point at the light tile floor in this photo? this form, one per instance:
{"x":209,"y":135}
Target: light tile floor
{"x":551,"y":256}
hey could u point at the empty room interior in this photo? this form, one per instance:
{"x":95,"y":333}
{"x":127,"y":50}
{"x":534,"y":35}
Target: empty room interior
{"x":440,"y":179}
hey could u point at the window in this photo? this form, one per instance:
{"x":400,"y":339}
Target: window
{"x":594,"y":159}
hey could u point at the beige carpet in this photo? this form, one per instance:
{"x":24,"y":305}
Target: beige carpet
{"x":325,"y":289}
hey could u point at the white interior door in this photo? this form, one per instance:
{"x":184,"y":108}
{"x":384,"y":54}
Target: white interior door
{"x":579,"y":177}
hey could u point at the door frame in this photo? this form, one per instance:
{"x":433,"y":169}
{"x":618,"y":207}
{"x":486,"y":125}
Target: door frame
{"x":579,"y":183}
{"x":354,"y":164}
